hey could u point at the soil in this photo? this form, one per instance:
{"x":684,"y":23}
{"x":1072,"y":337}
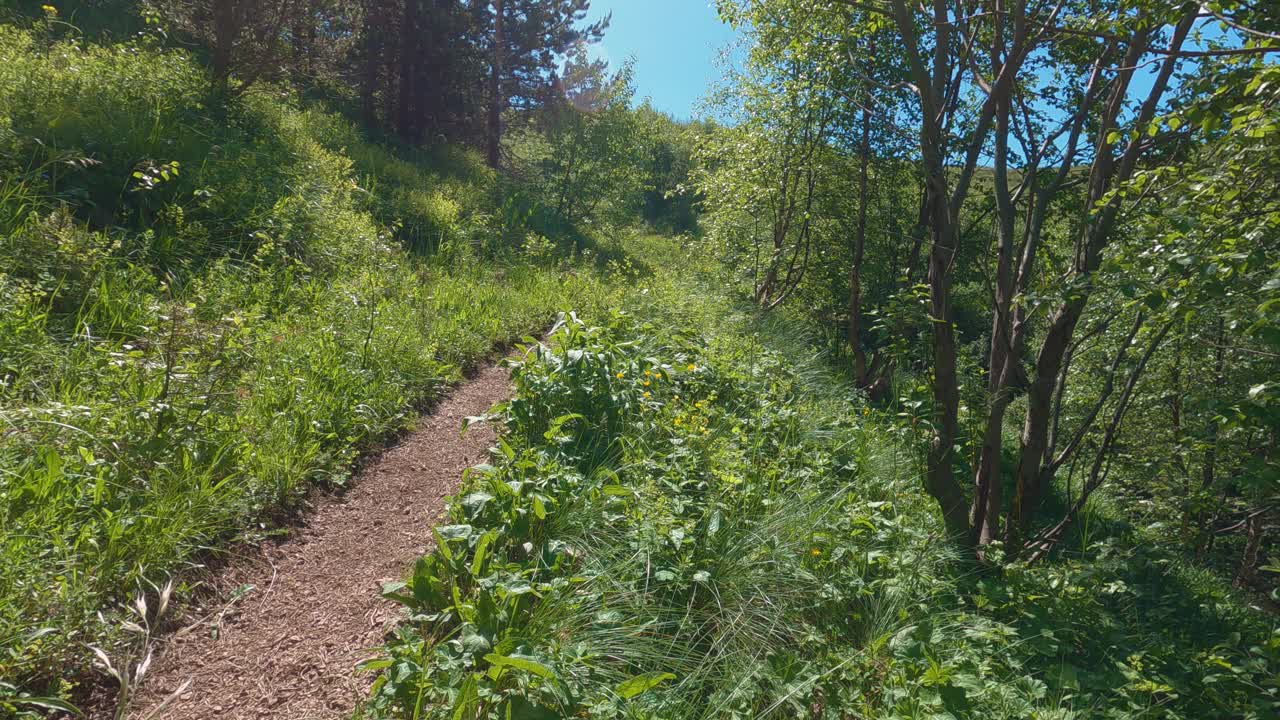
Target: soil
{"x":288,"y":648}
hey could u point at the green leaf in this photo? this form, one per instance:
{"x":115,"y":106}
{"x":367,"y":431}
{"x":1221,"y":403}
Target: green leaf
{"x":375,"y":664}
{"x":521,"y":709}
{"x":468,"y":698}
{"x":48,"y":703}
{"x":442,"y":544}
{"x":482,"y":552}
{"x":521,"y":662}
{"x":643,"y":683}
{"x":474,"y":642}
{"x":454,"y":532}
{"x":475,"y":502}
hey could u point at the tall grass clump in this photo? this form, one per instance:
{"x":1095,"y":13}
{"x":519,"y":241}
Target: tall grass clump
{"x":206,"y":308}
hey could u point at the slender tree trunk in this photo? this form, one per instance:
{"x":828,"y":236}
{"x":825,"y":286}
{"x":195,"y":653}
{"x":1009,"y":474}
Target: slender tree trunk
{"x":1209,"y":468}
{"x":764,"y":292}
{"x":1045,"y":542}
{"x":1249,"y":558}
{"x":406,"y":123}
{"x":918,"y":233}
{"x":988,"y":497}
{"x":859,"y":250}
{"x":299,"y":37}
{"x":1035,"y":431}
{"x":496,"y":99}
{"x":566,"y":181}
{"x":372,"y":64}
{"x":940,"y":473}
{"x":946,"y":394}
{"x":226,"y":29}
{"x":931,"y":85}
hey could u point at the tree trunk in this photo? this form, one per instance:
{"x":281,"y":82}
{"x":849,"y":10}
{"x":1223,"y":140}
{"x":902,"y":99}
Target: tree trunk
{"x":1209,"y":469}
{"x":988,"y":498}
{"x":1045,"y":542}
{"x":496,"y":99}
{"x":859,"y":250}
{"x":931,"y":86}
{"x":918,"y":233}
{"x":1249,"y":558}
{"x":1035,"y":429}
{"x":226,"y":29}
{"x":940,"y":474}
{"x":372,"y":63}
{"x":406,"y":123}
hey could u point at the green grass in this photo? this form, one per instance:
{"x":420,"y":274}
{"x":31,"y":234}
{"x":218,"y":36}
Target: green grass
{"x":207,"y":307}
{"x":744,"y":537}
{"x":673,"y":526}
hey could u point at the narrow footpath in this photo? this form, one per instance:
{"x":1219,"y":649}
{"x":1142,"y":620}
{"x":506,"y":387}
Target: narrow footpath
{"x":289,"y":647}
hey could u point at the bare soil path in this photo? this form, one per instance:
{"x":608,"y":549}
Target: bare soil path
{"x":288,"y":649}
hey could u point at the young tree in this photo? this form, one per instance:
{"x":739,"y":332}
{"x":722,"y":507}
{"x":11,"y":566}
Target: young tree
{"x":591,"y":160}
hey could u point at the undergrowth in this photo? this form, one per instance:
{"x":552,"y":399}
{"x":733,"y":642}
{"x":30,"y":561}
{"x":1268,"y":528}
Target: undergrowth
{"x":209,"y":305}
{"x":689,"y":516}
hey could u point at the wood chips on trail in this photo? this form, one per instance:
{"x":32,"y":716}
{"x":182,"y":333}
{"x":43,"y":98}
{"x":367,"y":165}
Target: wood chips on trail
{"x":288,"y":648}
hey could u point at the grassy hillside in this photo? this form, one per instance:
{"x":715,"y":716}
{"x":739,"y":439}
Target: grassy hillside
{"x":209,"y":304}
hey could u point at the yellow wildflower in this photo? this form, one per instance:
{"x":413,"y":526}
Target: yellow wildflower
{"x":49,"y":10}
{"x":692,"y":367}
{"x":678,"y":421}
{"x":646,"y":394}
{"x":815,"y":552}
{"x":621,"y":375}
{"x":645,"y":383}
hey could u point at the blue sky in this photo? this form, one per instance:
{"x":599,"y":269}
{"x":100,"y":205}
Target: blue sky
{"x":675,"y":44}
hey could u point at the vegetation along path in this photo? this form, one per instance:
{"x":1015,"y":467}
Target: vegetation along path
{"x":291,"y":650}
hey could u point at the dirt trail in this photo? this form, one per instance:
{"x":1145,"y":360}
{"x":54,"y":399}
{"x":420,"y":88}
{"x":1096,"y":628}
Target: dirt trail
{"x":288,"y":649}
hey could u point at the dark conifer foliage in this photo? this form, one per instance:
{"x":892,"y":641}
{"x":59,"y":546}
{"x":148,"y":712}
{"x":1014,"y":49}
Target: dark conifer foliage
{"x":452,"y":68}
{"x":426,"y":70}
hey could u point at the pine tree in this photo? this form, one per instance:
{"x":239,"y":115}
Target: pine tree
{"x":525,"y":40}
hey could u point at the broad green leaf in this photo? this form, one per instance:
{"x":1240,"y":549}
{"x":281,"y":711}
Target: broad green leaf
{"x":643,"y":683}
{"x":521,"y":662}
{"x":482,"y":552}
